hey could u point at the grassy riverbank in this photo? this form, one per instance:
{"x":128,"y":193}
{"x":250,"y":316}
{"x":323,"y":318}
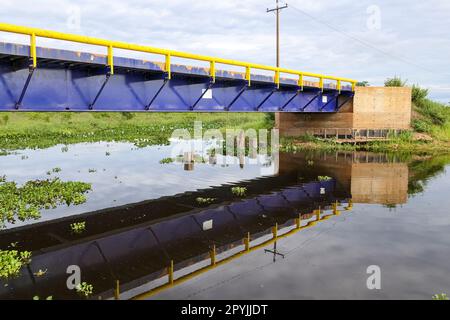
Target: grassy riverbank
{"x":430,"y":132}
{"x":42,"y":130}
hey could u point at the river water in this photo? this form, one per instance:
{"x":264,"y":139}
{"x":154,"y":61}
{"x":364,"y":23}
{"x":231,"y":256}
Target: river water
{"x":337,"y":217}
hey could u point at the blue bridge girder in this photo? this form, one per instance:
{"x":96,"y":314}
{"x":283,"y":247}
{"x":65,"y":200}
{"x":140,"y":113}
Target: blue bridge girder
{"x":76,"y":81}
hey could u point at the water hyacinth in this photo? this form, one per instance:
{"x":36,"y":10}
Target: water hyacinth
{"x":239,"y":191}
{"x":11,"y":261}
{"x":25,"y":202}
{"x":85,"y":289}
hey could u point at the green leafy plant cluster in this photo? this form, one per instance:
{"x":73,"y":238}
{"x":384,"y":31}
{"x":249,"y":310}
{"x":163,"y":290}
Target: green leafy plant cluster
{"x":239,"y":191}
{"x":25,"y":202}
{"x":78,"y":227}
{"x":85,"y":289}
{"x":48,"y":298}
{"x":11,"y":261}
{"x":166,"y":161}
{"x":441,"y":296}
{"x":205,"y":201}
{"x":324,"y":178}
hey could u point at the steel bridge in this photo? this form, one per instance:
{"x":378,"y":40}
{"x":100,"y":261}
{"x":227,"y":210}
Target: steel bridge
{"x":35,"y":78}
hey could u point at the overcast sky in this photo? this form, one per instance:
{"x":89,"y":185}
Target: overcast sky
{"x":366,"y":39}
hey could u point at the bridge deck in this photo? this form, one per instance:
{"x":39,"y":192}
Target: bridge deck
{"x":43,"y":79}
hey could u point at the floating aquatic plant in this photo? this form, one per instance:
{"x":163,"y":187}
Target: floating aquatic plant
{"x":48,"y":298}
{"x":204,"y":201}
{"x":78,"y":227}
{"x":25,"y":202}
{"x":11,"y":261}
{"x":239,"y":191}
{"x":166,"y":161}
{"x":441,"y":296}
{"x":85,"y":289}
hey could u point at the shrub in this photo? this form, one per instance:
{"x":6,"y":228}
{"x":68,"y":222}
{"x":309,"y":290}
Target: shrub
{"x":418,"y":94}
{"x":395,"y":82}
{"x":421,"y":125}
{"x":437,"y":113}
{"x":363,"y":84}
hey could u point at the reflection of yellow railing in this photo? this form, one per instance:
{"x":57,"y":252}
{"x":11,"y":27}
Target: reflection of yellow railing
{"x":110,"y":45}
{"x":247,"y":248}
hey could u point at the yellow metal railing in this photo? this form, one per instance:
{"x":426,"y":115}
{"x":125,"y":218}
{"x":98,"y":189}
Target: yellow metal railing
{"x":110,"y":45}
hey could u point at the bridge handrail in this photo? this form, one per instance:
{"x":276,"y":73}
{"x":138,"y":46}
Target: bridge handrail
{"x":110,"y":45}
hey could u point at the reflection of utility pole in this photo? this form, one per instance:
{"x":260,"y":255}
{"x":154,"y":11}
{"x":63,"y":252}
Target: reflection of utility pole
{"x":277,"y":10}
{"x":275,"y":252}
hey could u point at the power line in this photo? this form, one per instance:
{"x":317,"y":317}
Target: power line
{"x":362,"y":42}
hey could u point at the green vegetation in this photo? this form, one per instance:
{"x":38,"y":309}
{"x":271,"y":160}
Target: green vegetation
{"x":78,"y":227}
{"x":166,"y":161}
{"x":395,"y":82}
{"x":205,"y":201}
{"x":43,"y":130}
{"x":48,"y":298}
{"x":11,"y":261}
{"x":441,"y":296}
{"x":424,"y":170}
{"x":85,"y":289}
{"x":430,"y":135}
{"x":239,"y":191}
{"x":25,"y":202}
{"x":324,"y":178}
{"x":363,"y":84}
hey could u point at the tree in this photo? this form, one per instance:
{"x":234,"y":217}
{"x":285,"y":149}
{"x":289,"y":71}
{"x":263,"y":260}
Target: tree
{"x":363,"y":84}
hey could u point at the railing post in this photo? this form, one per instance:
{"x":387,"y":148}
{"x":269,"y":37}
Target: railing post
{"x":212,"y":70}
{"x":168,"y":67}
{"x":277,"y":79}
{"x":298,"y":221}
{"x":301,"y":82}
{"x":33,"y":50}
{"x":110,"y":59}
{"x":321,"y":83}
{"x":275,"y":231}
{"x":336,"y":212}
{"x":318,"y":212}
{"x":247,"y":242}
{"x":248,"y":75}
{"x":170,"y":272}
{"x":212,"y":254}
{"x":117,"y":290}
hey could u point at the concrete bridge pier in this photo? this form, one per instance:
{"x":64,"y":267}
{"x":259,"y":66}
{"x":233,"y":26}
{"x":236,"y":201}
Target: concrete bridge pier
{"x":373,"y":113}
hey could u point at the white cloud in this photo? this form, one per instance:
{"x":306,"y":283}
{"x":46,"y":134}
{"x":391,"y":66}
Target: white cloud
{"x":413,"y":41}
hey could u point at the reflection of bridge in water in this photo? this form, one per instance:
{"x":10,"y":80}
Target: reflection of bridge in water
{"x":146,"y":242}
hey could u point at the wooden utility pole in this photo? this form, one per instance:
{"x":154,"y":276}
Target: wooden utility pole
{"x":277,"y":11}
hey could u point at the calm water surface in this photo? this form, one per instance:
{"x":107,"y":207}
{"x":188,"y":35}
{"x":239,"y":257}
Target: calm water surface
{"x":388,"y":211}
